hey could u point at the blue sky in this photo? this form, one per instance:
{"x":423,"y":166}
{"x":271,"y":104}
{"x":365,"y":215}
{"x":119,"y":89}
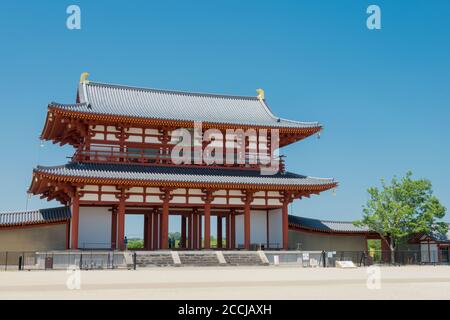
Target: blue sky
{"x":382,"y":95}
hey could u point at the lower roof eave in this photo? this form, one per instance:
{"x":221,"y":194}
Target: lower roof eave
{"x":308,"y":189}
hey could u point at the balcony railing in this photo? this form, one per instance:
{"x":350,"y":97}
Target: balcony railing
{"x":118,"y":156}
{"x":144,"y":157}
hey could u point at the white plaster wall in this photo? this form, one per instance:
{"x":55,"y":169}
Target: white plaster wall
{"x":134,"y":139}
{"x":239,"y":220}
{"x":89,"y":197}
{"x":219,"y":201}
{"x":178,"y":200}
{"x":275,"y":227}
{"x":135,"y":198}
{"x":111,"y":137}
{"x":235,"y":201}
{"x":94,"y":229}
{"x":89,"y":188}
{"x":151,"y":140}
{"x":134,"y":130}
{"x":196,"y":200}
{"x":153,"y":199}
{"x":258,"y":229}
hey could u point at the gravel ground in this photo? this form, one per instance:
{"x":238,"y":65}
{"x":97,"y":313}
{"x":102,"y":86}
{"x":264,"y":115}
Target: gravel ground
{"x":281,"y":282}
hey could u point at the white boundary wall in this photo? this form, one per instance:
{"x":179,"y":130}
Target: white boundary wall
{"x":275,"y":227}
{"x":258,"y":227}
{"x":94,"y":231}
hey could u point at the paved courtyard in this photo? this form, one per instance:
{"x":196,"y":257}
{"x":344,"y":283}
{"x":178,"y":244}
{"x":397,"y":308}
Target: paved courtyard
{"x":281,"y":282}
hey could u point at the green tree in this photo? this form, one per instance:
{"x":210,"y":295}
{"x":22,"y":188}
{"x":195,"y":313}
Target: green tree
{"x":403,"y":208}
{"x":175,"y":235}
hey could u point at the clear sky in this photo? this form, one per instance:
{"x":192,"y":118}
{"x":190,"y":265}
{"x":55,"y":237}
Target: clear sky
{"x":383,"y":96}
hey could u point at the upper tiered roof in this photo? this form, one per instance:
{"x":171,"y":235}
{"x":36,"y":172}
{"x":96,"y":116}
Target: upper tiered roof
{"x":126,"y":101}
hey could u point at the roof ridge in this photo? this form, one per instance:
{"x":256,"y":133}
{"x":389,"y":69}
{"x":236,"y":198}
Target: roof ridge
{"x":322,"y":220}
{"x":170,"y":91}
{"x":58,"y":104}
{"x":273,"y":116}
{"x":51,"y":167}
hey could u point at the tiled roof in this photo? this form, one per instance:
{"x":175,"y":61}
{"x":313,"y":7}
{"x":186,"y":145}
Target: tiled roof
{"x":325,"y":225}
{"x":181,"y":174}
{"x":441,"y":237}
{"x":108,"y":99}
{"x":34,"y":217}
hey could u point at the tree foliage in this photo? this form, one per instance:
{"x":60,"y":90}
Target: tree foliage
{"x":403,"y":208}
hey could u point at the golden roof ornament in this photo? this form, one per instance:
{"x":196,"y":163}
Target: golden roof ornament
{"x":83,"y":77}
{"x":260,"y":93}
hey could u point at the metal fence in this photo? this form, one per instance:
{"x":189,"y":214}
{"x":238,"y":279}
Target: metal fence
{"x":95,"y":259}
{"x":408,"y":257}
{"x":359,"y":258}
{"x":61,"y":260}
{"x":400,"y":257}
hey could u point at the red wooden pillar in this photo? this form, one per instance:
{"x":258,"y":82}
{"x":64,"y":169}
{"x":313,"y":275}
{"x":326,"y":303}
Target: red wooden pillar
{"x":219,"y":231}
{"x":68,"y":235}
{"x":121,"y":222}
{"x":114,"y":229}
{"x":200,"y":231}
{"x":165,"y":224}
{"x":155,"y":245}
{"x":195,"y":230}
{"x":285,"y":223}
{"x":75,"y":220}
{"x":247,"y":225}
{"x":145,"y":231}
{"x":207,"y":225}
{"x":149,"y":231}
{"x":183,"y":232}
{"x":267,"y":230}
{"x":233,"y":230}
{"x":207,"y":211}
{"x":228,"y":231}
{"x":190,"y":228}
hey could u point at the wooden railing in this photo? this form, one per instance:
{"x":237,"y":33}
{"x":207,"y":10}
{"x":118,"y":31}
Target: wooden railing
{"x":112,"y":155}
{"x":117,"y":156}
